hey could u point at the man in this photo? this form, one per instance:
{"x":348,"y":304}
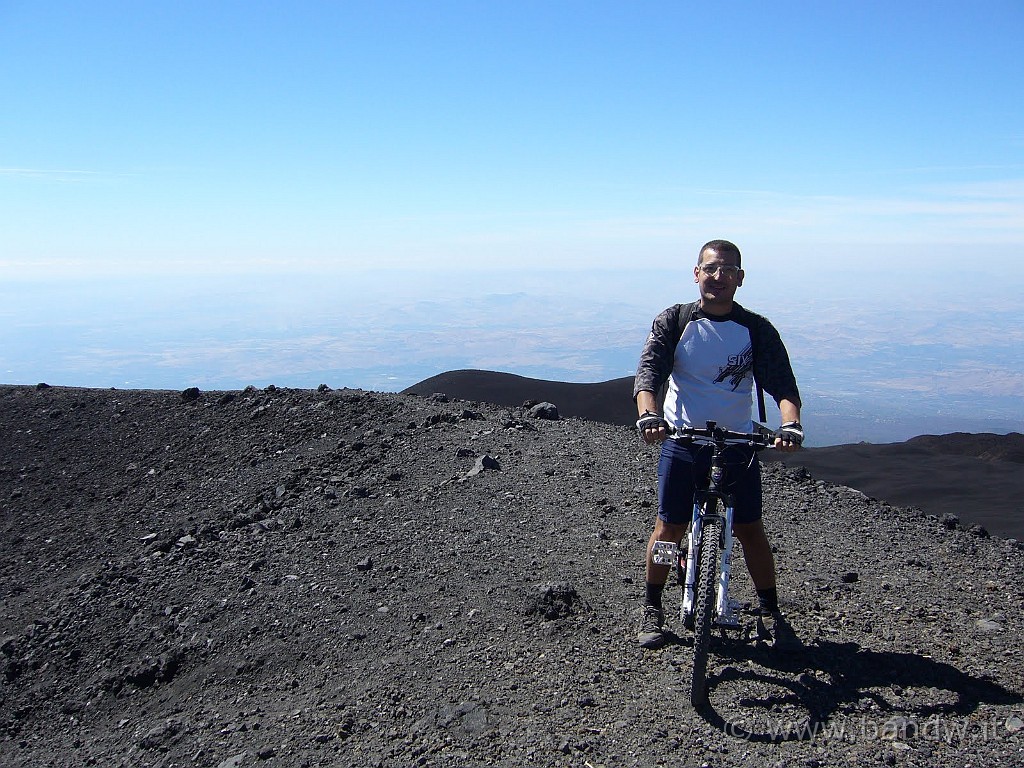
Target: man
{"x":709,"y":353}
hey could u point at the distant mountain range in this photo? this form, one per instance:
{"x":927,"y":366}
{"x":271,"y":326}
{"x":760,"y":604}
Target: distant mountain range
{"x":976,"y":477}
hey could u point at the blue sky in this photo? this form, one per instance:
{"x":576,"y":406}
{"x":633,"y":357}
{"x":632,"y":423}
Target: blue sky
{"x":332,"y":135}
{"x":422,"y":149}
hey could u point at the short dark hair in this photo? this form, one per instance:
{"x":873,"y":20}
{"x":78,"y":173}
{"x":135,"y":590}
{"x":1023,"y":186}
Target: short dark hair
{"x":722,"y":247}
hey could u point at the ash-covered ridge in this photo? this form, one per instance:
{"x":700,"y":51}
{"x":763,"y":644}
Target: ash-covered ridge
{"x":307,"y":578}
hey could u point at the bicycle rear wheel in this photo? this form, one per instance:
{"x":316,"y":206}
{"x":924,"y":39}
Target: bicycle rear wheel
{"x":703,"y":612}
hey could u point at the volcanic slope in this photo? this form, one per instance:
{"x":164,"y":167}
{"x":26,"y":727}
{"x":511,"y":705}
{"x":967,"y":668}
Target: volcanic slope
{"x":345,"y":578}
{"x":975,"y":477}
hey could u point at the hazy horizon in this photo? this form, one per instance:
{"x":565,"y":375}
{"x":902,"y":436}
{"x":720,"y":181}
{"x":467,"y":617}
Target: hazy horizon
{"x":867,"y":371}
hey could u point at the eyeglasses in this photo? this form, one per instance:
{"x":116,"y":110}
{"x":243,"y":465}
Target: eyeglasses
{"x":729,"y":271}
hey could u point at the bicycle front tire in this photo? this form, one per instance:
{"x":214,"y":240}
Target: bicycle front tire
{"x":707,"y":573}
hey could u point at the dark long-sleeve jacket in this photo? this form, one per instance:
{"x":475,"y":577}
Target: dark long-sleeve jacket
{"x":699,"y":381}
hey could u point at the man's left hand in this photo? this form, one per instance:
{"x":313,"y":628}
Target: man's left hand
{"x":789,"y":437}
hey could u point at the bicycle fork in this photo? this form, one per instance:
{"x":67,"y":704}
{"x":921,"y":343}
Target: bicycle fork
{"x":725,"y":607}
{"x":667,"y":553}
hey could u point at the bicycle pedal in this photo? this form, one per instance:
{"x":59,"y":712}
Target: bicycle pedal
{"x":730,"y":619}
{"x":665,"y":553}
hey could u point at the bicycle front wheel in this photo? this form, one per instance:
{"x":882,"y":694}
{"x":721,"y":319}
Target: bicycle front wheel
{"x":707,"y":578}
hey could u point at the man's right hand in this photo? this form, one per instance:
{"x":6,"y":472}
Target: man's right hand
{"x":652,"y":427}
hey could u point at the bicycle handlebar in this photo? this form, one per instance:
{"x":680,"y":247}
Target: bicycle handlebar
{"x":715,"y":434}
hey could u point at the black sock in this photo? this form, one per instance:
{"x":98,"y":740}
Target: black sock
{"x":768,"y":599}
{"x":653,"y":594}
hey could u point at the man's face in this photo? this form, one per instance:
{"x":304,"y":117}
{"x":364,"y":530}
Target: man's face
{"x":718,"y":288}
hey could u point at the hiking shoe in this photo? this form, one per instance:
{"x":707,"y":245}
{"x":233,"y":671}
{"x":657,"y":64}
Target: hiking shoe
{"x":652,"y":634}
{"x":774,"y":629}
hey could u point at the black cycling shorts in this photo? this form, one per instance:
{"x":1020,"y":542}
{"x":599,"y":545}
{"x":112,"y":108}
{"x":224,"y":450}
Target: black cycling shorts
{"x":683,"y":468}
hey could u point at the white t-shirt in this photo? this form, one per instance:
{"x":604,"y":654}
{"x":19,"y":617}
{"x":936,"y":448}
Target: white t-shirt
{"x":712,"y":376}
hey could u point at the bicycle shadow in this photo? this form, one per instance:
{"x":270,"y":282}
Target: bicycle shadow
{"x":824,"y":676}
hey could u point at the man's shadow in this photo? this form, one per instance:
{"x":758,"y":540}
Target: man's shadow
{"x":846,"y":674}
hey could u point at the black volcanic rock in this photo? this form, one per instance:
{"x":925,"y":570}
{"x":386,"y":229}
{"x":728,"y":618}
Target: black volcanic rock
{"x":544,"y":411}
{"x":232,"y":583}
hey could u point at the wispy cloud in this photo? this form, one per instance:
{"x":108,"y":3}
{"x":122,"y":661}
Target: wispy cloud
{"x":977,"y":209}
{"x":927,"y":218}
{"x":50,"y":174}
{"x":983,"y":212}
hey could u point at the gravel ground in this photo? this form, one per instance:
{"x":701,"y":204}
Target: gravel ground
{"x":332,"y":578}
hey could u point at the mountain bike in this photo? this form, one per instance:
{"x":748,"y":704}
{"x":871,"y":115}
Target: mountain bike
{"x":707,"y":562}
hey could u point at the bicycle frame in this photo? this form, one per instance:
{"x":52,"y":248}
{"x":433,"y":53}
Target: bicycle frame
{"x":667,"y":553}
